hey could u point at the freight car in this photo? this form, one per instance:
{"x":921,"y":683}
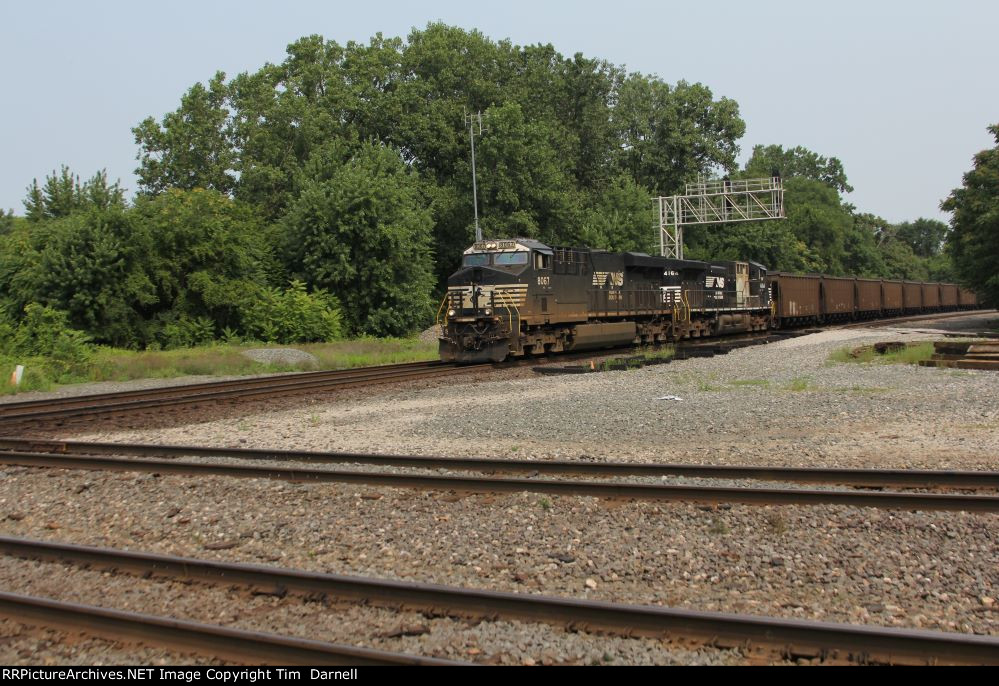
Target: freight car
{"x":517,"y":297}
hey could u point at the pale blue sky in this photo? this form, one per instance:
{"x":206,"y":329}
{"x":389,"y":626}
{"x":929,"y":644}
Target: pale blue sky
{"x":901,"y":92}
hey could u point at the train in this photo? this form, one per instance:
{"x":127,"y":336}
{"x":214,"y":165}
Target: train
{"x":520,"y":297}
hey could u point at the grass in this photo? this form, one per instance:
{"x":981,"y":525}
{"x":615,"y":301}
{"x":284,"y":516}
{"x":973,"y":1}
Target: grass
{"x":112,"y":364}
{"x":914,"y":353}
{"x":718,"y":527}
{"x":798,"y":384}
{"x":750,"y":383}
{"x":777,"y":523}
{"x":662,"y":352}
{"x":864,"y":389}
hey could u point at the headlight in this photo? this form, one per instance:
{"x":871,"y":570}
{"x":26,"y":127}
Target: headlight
{"x":488,"y":312}
{"x":451,"y":313}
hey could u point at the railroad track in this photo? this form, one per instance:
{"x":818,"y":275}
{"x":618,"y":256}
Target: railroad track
{"x":35,"y":414}
{"x":565,"y":487}
{"x":790,"y":638}
{"x":49,"y":410}
{"x":54,"y":409}
{"x":870,"y":478}
{"x":223,"y":643}
{"x":871,"y":323}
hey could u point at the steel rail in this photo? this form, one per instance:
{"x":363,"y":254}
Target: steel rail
{"x":915,"y":478}
{"x":283,"y":386}
{"x":224,"y":643}
{"x":887,"y":321}
{"x":90,"y":399}
{"x":597,"y":489}
{"x":789,"y":637}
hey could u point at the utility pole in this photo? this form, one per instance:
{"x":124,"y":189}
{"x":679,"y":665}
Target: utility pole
{"x":471,"y":120}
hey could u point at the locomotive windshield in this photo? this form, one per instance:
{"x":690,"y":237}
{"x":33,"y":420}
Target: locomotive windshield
{"x":502,"y":259}
{"x":476,"y":260}
{"x":509,"y":258}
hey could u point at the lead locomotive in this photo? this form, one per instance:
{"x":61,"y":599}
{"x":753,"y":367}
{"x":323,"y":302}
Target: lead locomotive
{"x":521,"y":297}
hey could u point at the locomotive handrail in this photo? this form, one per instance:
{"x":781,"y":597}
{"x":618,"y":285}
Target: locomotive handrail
{"x":443,"y":324}
{"x":507,"y":305}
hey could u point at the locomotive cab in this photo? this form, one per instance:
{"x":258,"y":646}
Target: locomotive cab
{"x":484,"y":309}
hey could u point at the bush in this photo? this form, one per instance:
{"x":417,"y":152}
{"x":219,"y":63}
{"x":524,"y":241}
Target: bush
{"x":187,"y":332}
{"x":45,"y":332}
{"x":292,"y":316}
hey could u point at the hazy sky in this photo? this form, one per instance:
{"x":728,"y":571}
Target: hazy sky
{"x":901,"y":92}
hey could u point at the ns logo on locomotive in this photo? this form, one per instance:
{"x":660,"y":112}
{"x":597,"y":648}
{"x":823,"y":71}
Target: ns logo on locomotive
{"x":519,"y":297}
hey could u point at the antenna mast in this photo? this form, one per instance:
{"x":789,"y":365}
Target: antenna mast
{"x":471,"y":120}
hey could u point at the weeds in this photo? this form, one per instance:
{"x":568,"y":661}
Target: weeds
{"x":718,"y":527}
{"x":914,"y":353}
{"x":662,"y":352}
{"x":777,"y":523}
{"x":798,"y":384}
{"x":112,"y":364}
{"x":545,"y":504}
{"x":748,"y":383}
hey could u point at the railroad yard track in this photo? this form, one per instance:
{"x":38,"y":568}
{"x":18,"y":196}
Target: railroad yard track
{"x":872,"y":478}
{"x":789,"y":638}
{"x":67,"y":411}
{"x":222,"y":643}
{"x":76,"y":411}
{"x":756,"y":636}
{"x":78,"y":459}
{"x":869,"y":323}
{"x":76,"y":407}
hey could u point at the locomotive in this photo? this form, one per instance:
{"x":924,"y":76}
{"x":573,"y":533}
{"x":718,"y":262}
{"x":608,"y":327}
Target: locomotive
{"x":519,"y":297}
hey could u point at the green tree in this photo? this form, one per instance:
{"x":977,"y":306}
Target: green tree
{"x":207,"y":255}
{"x":926,"y":237}
{"x":62,"y":194}
{"x":669,"y":135}
{"x":620,"y":218}
{"x":89,"y":265}
{"x":359,"y":230}
{"x":974,"y":239}
{"x":192,"y":147}
{"x":293,"y":315}
{"x":797,"y":162}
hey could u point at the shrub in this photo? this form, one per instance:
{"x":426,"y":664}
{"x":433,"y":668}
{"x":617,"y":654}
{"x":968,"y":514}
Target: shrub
{"x":187,"y":332}
{"x":45,"y":332}
{"x":292,"y":316}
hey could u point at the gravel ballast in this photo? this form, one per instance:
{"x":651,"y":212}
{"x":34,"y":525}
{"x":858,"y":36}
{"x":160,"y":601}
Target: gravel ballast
{"x":780,"y":404}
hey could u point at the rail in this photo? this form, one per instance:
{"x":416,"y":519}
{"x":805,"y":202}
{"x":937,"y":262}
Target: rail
{"x":788,"y":637}
{"x":597,"y":489}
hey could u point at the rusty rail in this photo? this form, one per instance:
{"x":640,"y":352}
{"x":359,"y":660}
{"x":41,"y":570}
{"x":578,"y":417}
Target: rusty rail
{"x":224,"y":643}
{"x":788,"y":637}
{"x":598,"y":489}
{"x":877,"y":478}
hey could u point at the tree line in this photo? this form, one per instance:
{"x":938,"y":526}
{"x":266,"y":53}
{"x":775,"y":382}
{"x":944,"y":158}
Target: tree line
{"x":330,"y":194}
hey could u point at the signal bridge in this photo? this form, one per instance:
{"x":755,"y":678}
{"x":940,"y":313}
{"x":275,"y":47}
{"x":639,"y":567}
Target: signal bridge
{"x":717,"y":202}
